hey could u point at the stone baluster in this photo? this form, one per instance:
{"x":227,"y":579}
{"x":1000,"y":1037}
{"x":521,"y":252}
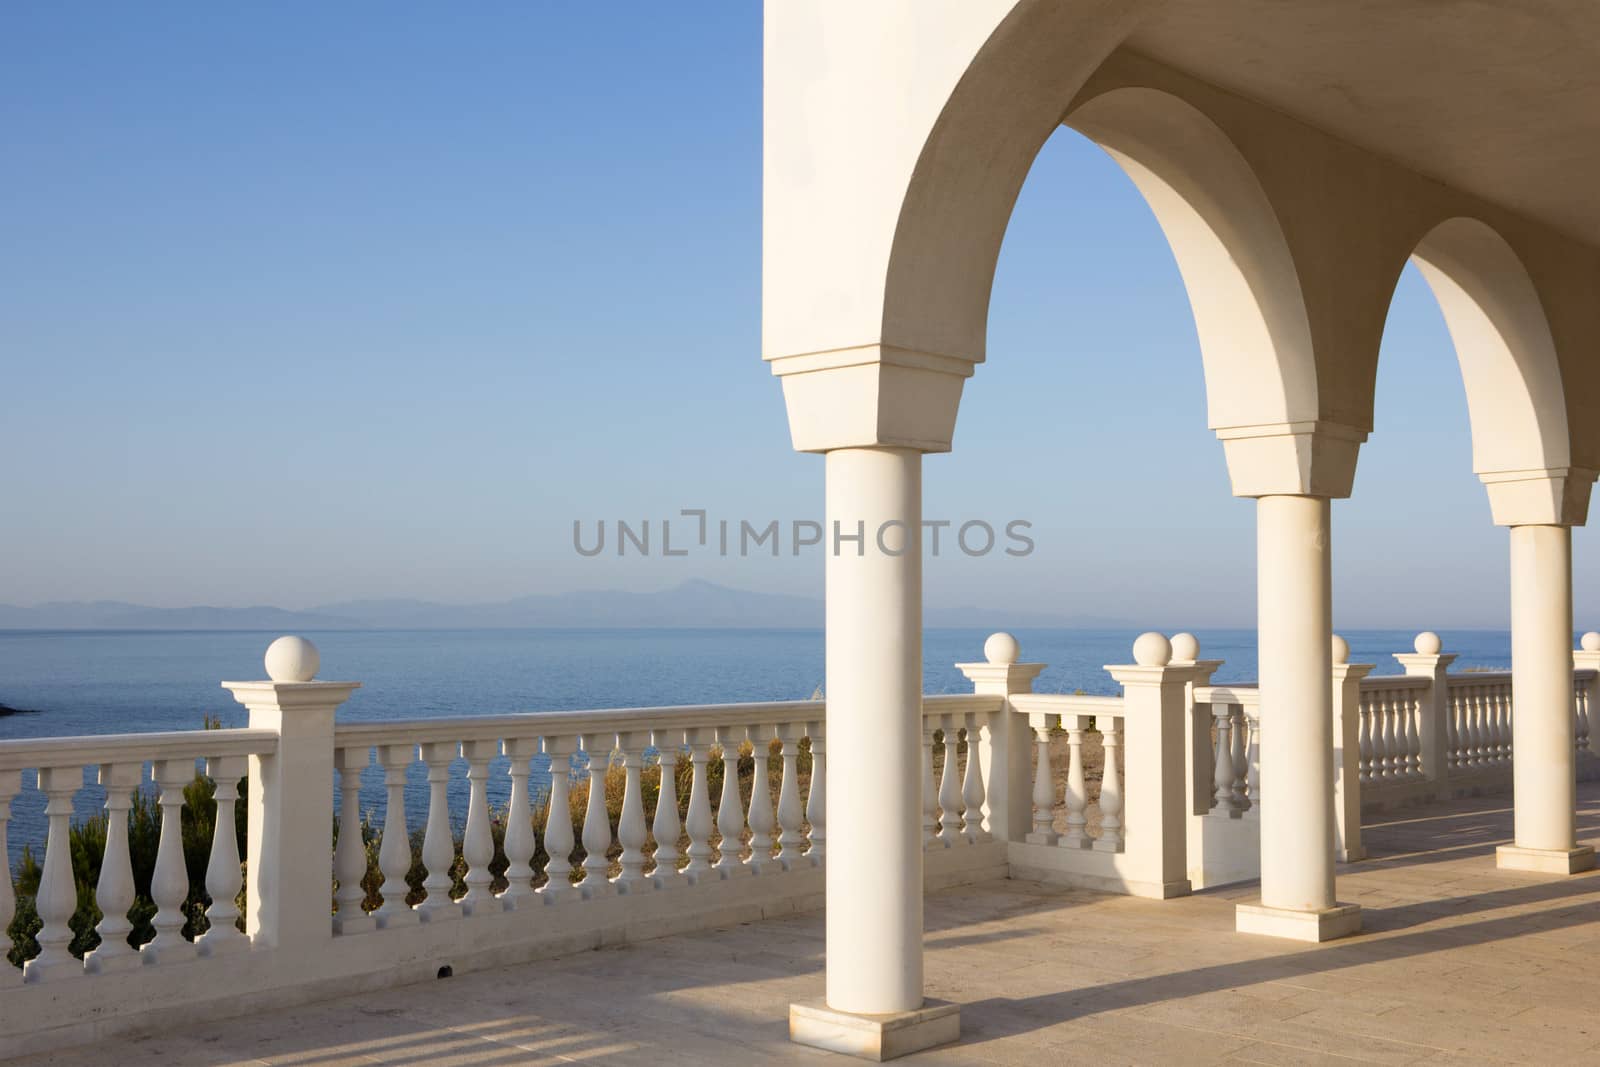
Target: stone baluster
{"x":1580,"y":716}
{"x":438,"y":845}
{"x":761,"y":820}
{"x":1411,"y":744}
{"x":817,"y":796}
{"x":1222,"y":772}
{"x":558,"y":837}
{"x":1044,"y":789}
{"x":730,"y":808}
{"x":1388,"y":744}
{"x":1077,"y":794}
{"x":1478,"y":753}
{"x":596,"y":820}
{"x":57,"y":895}
{"x":394,"y":851}
{"x":477,"y":840}
{"x":10,"y":786}
{"x":1488,"y":701}
{"x":224,"y":877}
{"x":1110,"y":839}
{"x":1366,"y":742}
{"x":520,"y":843}
{"x":169,"y":885}
{"x":1241,"y":760}
{"x":1503,"y":695}
{"x":1455,"y":731}
{"x":350,"y":854}
{"x":114,"y":893}
{"x":949,"y":787}
{"x":791,"y":816}
{"x":632,"y":832}
{"x":930,"y":788}
{"x":972,"y":787}
{"x":1253,"y":760}
{"x":666,"y":827}
{"x":697,"y":821}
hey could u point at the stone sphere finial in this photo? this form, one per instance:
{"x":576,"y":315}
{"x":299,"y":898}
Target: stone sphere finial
{"x":1185,"y":648}
{"x":1152,"y":650}
{"x":1591,"y":642}
{"x":1001,"y":649}
{"x":292,"y":659}
{"x":1341,"y":651}
{"x":1427,"y":643}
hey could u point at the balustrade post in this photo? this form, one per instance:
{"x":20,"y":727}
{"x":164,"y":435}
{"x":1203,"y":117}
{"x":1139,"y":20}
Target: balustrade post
{"x":1156,"y":798}
{"x":1198,"y":721}
{"x":1433,"y":705}
{"x":114,"y":894}
{"x":1347,"y":753}
{"x":1587,"y":657}
{"x":290,"y":801}
{"x":1004,"y":740}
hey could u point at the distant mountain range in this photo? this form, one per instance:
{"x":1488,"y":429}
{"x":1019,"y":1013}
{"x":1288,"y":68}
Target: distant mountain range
{"x":695,"y":603}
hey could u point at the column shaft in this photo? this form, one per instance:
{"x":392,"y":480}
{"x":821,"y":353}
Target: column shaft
{"x":874,"y":721}
{"x":1545,"y":789}
{"x":1294,"y":594}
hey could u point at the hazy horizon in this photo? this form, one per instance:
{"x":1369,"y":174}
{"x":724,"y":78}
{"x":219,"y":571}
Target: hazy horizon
{"x":307,"y":307}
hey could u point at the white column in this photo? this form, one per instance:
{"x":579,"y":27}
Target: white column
{"x":874,"y":723}
{"x":1543,"y":765}
{"x":290,"y":800}
{"x":1294,"y":619}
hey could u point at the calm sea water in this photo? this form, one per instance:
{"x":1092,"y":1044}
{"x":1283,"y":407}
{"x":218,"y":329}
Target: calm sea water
{"x":91,"y":682}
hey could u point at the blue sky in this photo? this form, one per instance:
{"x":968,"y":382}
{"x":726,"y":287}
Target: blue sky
{"x":308,"y":302}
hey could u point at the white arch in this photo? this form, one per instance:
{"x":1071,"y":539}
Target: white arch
{"x":1515,"y":398}
{"x":1243,"y":288}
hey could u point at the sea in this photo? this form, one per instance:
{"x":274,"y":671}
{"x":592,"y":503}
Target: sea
{"x":103,"y":682}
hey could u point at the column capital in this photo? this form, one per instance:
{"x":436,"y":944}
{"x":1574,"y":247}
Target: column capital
{"x":1417,"y":663}
{"x":872,"y":396}
{"x":1558,"y":496}
{"x":1309,"y":458}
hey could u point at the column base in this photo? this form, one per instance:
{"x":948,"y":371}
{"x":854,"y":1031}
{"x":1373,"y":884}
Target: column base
{"x":1544,"y":860}
{"x":875,"y":1037}
{"x":1341,"y":920}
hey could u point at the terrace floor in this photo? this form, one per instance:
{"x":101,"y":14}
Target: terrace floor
{"x":1460,"y":963}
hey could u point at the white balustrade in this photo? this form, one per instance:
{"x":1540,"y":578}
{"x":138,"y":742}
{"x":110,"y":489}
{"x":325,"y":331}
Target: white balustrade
{"x":930,"y":788}
{"x":697,"y":820}
{"x":477,"y":841}
{"x":949,"y":787}
{"x":730,"y":809}
{"x":438,"y":845}
{"x":114,"y":893}
{"x":791,"y":817}
{"x":224,"y":878}
{"x":394,"y":851}
{"x":817,"y":797}
{"x":761,"y":819}
{"x":350,"y":853}
{"x":558,"y":838}
{"x":596,"y":820}
{"x":972,"y":787}
{"x":1077,"y":791}
{"x":520,"y":842}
